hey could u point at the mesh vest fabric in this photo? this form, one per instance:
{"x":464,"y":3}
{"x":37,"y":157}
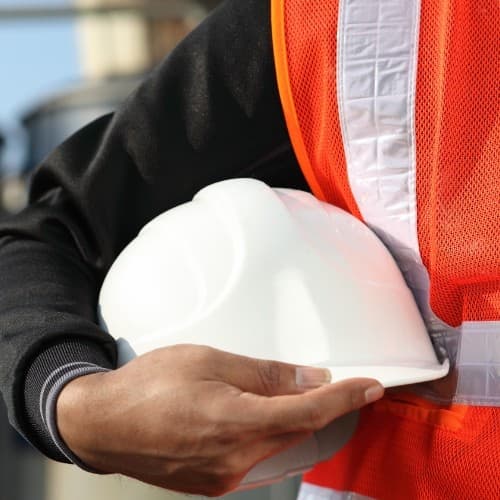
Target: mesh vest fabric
{"x":407,"y":447}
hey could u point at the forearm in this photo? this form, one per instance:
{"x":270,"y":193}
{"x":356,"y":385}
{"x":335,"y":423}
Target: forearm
{"x":47,"y":318}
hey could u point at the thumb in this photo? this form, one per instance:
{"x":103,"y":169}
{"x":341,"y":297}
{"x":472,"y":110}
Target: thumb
{"x":270,"y":378}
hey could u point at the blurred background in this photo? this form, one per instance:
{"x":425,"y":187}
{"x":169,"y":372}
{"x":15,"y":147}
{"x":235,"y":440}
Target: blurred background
{"x":64,"y":63}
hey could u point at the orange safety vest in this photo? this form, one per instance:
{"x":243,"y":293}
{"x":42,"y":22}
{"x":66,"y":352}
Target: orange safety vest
{"x":392,"y":107}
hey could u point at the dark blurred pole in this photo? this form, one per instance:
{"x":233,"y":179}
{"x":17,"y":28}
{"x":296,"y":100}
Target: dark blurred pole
{"x":2,"y":173}
{"x":2,"y":145}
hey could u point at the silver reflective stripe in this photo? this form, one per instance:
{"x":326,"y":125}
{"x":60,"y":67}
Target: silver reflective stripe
{"x":377,"y":50}
{"x":311,"y":492}
{"x":376,"y":79}
{"x":478,"y":364}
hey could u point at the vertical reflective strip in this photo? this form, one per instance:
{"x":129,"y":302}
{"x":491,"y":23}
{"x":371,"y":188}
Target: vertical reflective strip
{"x":376,"y":78}
{"x":478,"y":364}
{"x":376,"y":64}
{"x":312,"y":492}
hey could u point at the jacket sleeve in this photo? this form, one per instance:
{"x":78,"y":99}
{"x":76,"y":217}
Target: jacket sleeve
{"x":210,"y":111}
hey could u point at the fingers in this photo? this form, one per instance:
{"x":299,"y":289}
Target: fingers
{"x":268,"y":378}
{"x":309,"y":411}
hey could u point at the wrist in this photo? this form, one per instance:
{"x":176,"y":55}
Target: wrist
{"x":78,"y":410}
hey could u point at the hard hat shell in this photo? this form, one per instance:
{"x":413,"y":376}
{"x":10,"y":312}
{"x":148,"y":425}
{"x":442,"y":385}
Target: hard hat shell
{"x":273,"y":274}
{"x":268,"y":273}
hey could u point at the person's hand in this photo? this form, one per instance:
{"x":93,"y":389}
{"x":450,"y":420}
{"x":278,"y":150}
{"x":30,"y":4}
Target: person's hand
{"x":194,"y":419}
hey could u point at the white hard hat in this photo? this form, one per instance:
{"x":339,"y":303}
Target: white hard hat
{"x":272,"y":274}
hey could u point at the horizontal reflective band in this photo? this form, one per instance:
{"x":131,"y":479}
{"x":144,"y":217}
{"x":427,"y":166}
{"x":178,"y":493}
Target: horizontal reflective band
{"x":313,"y":492}
{"x":475,"y":375}
{"x":478,"y":364}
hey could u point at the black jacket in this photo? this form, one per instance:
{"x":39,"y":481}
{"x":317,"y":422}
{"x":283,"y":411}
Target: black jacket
{"x":209,"y":112}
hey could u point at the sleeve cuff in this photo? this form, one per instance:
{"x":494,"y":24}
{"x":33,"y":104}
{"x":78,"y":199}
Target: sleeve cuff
{"x":49,"y":372}
{"x":48,"y":401}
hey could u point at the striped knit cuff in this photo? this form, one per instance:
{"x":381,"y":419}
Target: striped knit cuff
{"x":53,"y":386}
{"x":49,"y":372}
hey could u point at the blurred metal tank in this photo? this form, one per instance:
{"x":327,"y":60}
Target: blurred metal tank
{"x":55,"y":119}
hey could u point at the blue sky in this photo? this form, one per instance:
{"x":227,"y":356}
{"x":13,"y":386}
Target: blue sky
{"x":37,"y":58}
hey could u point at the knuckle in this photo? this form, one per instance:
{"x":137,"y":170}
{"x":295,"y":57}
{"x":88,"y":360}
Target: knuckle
{"x":270,"y":375}
{"x":221,"y":430}
{"x":200,"y":355}
{"x":177,"y":351}
{"x":354,"y":401}
{"x":223,"y":437}
{"x":315,"y":417}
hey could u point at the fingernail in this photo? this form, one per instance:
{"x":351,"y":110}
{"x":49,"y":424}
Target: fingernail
{"x":373,"y":393}
{"x":308,"y":378}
